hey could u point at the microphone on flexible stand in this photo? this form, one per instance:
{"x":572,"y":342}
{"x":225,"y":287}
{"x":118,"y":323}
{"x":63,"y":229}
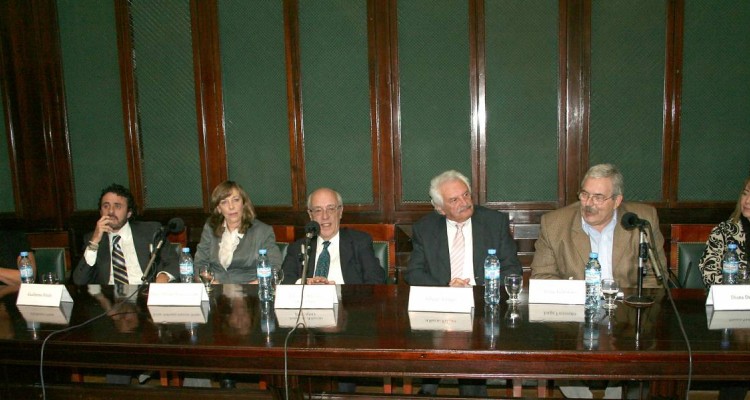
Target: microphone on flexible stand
{"x":175,"y":225}
{"x":312,"y":229}
{"x":631,"y":221}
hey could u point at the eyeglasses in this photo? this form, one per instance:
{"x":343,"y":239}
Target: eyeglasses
{"x":596,"y":198}
{"x":319,"y":210}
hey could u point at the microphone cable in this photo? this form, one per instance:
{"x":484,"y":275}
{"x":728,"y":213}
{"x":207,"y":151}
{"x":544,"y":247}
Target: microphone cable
{"x":70,"y":328}
{"x":297,"y":324}
{"x":665,"y":284}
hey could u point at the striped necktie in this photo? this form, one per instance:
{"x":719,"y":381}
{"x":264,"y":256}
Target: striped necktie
{"x":324,"y":261}
{"x":457,"y":253}
{"x":119,"y":269}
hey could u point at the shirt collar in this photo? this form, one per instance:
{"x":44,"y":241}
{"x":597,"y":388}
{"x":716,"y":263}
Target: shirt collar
{"x":333,"y":240}
{"x":608,"y":229}
{"x":125,"y":232}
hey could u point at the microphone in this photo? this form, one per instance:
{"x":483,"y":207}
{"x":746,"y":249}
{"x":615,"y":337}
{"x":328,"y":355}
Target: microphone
{"x":630,"y":221}
{"x":175,"y":225}
{"x":312,"y":229}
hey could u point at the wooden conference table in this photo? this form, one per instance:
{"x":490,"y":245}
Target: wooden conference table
{"x":373,"y":334}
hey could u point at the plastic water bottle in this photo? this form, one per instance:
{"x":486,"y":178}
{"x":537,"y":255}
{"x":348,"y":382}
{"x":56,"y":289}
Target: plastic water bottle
{"x":591,"y":329}
{"x":27,"y":272}
{"x":265,"y":276}
{"x":491,"y":278}
{"x":593,"y":276}
{"x":730,"y":266}
{"x":186,"y":266}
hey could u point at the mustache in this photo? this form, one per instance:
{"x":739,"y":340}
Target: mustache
{"x":589,"y":209}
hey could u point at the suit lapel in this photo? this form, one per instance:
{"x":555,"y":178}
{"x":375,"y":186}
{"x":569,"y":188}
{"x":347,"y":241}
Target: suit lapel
{"x":440,"y":236}
{"x":345,"y":251}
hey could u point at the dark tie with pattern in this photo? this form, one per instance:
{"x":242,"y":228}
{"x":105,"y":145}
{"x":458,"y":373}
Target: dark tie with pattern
{"x":324,"y":261}
{"x":119,"y":269}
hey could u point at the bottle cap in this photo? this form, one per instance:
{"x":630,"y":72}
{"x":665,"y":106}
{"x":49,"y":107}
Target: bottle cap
{"x":593,"y":255}
{"x":186,"y":249}
{"x":262,"y":251}
{"x":732,"y":246}
{"x":491,"y":251}
{"x":24,"y":254}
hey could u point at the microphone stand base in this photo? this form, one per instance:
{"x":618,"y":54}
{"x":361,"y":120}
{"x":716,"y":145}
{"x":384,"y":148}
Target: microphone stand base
{"x":639,"y":301}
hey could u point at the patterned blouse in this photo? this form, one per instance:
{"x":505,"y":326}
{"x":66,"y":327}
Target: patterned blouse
{"x":720,"y":237}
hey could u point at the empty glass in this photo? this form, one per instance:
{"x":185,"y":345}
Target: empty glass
{"x":513,"y":286}
{"x":207,"y":277}
{"x":609,"y":290}
{"x":278,"y":276}
{"x":50,"y":278}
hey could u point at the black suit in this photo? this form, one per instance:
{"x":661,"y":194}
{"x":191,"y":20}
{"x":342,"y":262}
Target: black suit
{"x":144,"y":234}
{"x":358,"y":261}
{"x":430,"y":263}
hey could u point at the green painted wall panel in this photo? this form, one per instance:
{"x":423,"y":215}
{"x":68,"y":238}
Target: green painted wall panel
{"x":7,"y":204}
{"x":336,"y":97}
{"x":521,"y":100}
{"x":255,"y":101}
{"x":627,"y":91}
{"x":88,"y":41}
{"x":433,"y":56}
{"x":715,"y":133}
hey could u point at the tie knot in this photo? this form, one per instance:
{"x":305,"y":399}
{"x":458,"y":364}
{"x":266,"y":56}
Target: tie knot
{"x":326,"y":244}
{"x":460,"y":226}
{"x":115,"y":239}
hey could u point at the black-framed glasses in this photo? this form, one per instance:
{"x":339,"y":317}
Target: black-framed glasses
{"x":598,"y":199}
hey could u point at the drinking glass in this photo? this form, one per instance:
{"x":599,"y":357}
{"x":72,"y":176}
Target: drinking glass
{"x":278,"y":276}
{"x":609,"y":290}
{"x":513,"y":316}
{"x":513,"y":285}
{"x":207,"y":277}
{"x":50,"y":278}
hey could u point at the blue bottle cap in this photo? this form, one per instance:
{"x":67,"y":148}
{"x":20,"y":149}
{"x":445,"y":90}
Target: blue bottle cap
{"x":491,"y":251}
{"x":24,"y":254}
{"x":262,"y":251}
{"x":593,"y":255}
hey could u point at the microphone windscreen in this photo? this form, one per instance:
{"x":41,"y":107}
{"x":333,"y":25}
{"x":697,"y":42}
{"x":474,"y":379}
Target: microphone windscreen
{"x":312,"y":228}
{"x":630,"y":220}
{"x":176,"y":225}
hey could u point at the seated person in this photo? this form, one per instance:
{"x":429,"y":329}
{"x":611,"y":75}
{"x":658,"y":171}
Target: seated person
{"x":449,"y":248}
{"x":569,"y":234}
{"x":734,"y":230}
{"x":338,"y":255}
{"x":232,"y":237}
{"x":119,"y":249}
{"x":12,"y":243}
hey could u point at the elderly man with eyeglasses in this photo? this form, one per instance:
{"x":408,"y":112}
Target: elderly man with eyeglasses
{"x":337,"y":255}
{"x":569,"y":234}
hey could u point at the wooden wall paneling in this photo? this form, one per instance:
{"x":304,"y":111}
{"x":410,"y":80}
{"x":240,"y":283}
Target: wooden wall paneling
{"x":129,"y":95}
{"x":477,"y":96}
{"x":8,"y":90}
{"x":208,"y":95}
{"x":294,"y":105}
{"x":672,"y":94}
{"x":577,"y":75}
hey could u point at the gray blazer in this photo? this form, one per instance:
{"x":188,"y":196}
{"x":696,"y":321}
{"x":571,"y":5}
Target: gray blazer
{"x":243,"y":266}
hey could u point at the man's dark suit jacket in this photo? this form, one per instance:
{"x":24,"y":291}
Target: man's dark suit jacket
{"x":358,"y":262}
{"x":430,"y":262}
{"x":143,"y":238}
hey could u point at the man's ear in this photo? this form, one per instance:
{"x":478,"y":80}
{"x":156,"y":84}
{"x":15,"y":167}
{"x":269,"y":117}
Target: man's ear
{"x":130,"y":214}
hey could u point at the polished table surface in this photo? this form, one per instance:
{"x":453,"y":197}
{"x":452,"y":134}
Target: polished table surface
{"x":374,"y":335}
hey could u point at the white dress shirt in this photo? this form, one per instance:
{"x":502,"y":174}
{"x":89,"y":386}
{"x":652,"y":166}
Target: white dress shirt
{"x":602,"y":244}
{"x":334,"y":268}
{"x":135,"y":273}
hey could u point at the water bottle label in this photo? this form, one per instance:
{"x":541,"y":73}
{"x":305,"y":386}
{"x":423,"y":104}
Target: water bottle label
{"x":491,"y":273}
{"x":26,"y":272}
{"x":186,"y":269}
{"x":264,"y":272}
{"x":731,"y":267}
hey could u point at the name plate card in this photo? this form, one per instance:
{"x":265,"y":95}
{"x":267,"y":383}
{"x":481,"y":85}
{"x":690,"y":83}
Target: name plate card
{"x":727,"y":319}
{"x":31,"y":294}
{"x":312,"y":318}
{"x":180,"y":314}
{"x":176,"y":294}
{"x":315,"y":296}
{"x":441,"y":299}
{"x":729,"y":297}
{"x":557,"y":291}
{"x":556,"y":313}
{"x":47,"y":315}
{"x":439,"y":321}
